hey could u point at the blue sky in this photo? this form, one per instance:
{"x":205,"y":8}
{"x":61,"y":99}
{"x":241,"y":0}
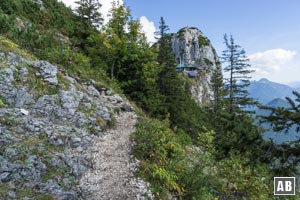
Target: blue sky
{"x":256,"y":25}
{"x":269,"y":30}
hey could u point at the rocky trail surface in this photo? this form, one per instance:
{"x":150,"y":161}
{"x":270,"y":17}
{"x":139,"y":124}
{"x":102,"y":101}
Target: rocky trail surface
{"x":54,"y":131}
{"x":112,"y":176}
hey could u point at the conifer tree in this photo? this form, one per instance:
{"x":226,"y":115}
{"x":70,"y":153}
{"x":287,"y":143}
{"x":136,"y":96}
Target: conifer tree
{"x":217,"y":98}
{"x":89,"y":10}
{"x":235,"y":129}
{"x":238,"y":69}
{"x":218,"y":91}
{"x":177,"y":100}
{"x":166,"y":57}
{"x":285,"y":118}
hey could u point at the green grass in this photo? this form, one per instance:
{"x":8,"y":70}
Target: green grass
{"x":9,"y":121}
{"x":31,"y":193}
{"x":7,"y":45}
{"x":64,"y":84}
{"x":3,"y":190}
{"x":2,"y":101}
{"x":38,"y":86}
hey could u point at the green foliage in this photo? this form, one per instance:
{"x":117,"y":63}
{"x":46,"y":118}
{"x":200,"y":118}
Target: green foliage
{"x":238,"y":132}
{"x":180,"y":33}
{"x":161,"y":155}
{"x":284,"y":118}
{"x":234,"y":128}
{"x":2,"y":101}
{"x":234,"y":177}
{"x":7,"y":45}
{"x":4,"y":22}
{"x":205,"y":141}
{"x":26,"y":192}
{"x":203,"y":41}
{"x":89,"y":10}
{"x":281,"y":157}
{"x":208,"y":62}
{"x":189,"y":174}
{"x":8,"y":6}
{"x":177,"y":101}
{"x":169,"y":159}
{"x":218,"y":93}
{"x":238,"y":179}
{"x":238,"y":69}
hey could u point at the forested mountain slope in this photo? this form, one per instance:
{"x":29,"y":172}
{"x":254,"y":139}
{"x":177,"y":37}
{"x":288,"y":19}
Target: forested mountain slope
{"x":69,"y":88}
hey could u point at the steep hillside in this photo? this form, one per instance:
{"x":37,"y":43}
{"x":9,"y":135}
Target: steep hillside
{"x":48,"y":123}
{"x":67,"y":130}
{"x":192,"y":48}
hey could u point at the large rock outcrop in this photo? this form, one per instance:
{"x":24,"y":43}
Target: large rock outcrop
{"x":192,"y":47}
{"x":48,"y":122}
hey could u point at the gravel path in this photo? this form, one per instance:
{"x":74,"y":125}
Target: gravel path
{"x":112,"y":177}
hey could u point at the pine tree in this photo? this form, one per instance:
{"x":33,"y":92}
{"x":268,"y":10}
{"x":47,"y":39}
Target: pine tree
{"x":235,"y":129}
{"x":218,"y":92}
{"x":177,"y":101}
{"x":285,"y":118}
{"x":89,"y":10}
{"x":166,"y":57}
{"x":163,"y":43}
{"x":237,"y":67}
{"x":217,"y":98}
{"x":8,"y":7}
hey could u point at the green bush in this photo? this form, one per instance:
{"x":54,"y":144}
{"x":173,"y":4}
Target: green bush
{"x":4,"y":23}
{"x":203,"y":41}
{"x":240,"y":180}
{"x":161,"y":156}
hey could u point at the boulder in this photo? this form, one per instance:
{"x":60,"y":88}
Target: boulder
{"x":47,"y":71}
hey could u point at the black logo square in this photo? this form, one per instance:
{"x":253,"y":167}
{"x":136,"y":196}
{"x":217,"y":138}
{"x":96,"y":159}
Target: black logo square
{"x":284,"y":185}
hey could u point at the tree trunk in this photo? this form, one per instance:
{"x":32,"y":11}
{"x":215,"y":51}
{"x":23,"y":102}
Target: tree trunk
{"x":112,"y":70}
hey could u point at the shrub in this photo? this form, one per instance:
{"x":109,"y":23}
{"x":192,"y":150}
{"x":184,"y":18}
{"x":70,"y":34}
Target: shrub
{"x":203,"y":41}
{"x":161,"y":155}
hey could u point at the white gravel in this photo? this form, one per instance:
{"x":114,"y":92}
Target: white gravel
{"x":112,"y":176}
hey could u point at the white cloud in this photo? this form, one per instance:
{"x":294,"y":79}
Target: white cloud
{"x":106,"y":6}
{"x":149,"y":28}
{"x":267,"y":63}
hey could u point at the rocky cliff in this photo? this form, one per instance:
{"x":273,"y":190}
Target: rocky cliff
{"x":192,"y":47}
{"x":49,"y":123}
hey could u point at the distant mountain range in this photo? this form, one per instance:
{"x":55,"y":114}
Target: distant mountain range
{"x":275,"y":103}
{"x":265,"y":91}
{"x":273,"y":95}
{"x":282,"y":136}
{"x":294,"y":84}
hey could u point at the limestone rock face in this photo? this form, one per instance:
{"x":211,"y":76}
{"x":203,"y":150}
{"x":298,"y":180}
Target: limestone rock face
{"x":47,"y":71}
{"x":48,"y":122}
{"x":192,"y":47}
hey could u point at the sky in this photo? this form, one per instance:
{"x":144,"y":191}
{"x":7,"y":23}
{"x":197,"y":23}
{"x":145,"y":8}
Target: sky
{"x":268,"y":30}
